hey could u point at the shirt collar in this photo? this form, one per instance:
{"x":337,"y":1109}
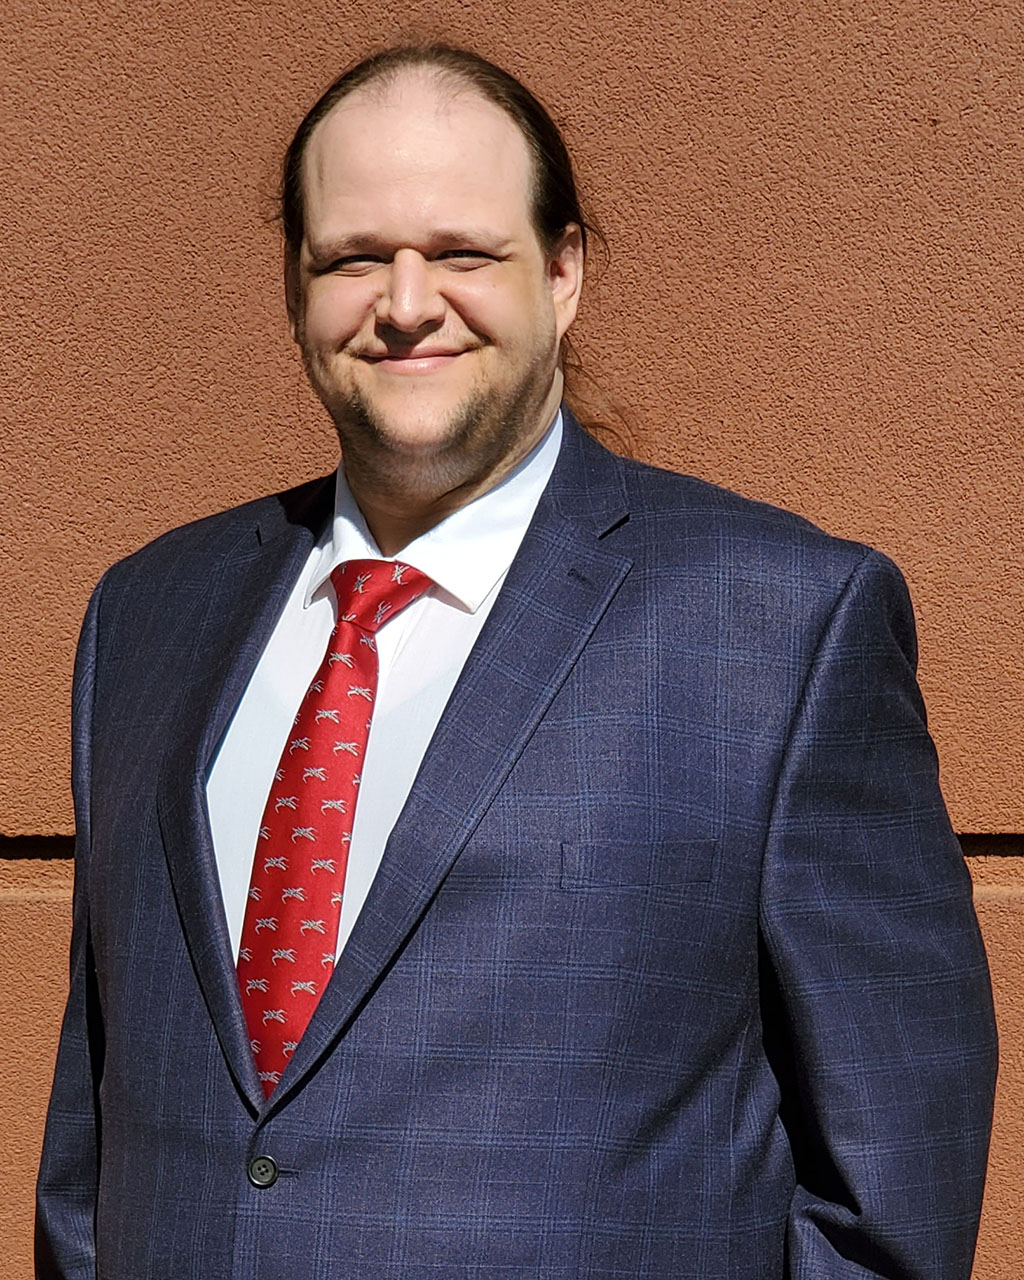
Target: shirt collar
{"x":469,"y":551}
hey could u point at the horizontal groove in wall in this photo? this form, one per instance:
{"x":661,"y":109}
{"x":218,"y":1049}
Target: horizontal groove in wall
{"x":992,"y":846}
{"x":49,"y":847}
{"x":973,"y":845}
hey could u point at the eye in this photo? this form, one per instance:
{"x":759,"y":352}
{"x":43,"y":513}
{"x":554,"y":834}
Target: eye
{"x":353,"y":264}
{"x":466,"y":259}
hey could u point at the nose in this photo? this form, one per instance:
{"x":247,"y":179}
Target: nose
{"x":411,"y":299}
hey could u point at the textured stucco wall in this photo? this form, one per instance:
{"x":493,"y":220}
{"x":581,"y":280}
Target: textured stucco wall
{"x":813,"y":295}
{"x":35,"y":909}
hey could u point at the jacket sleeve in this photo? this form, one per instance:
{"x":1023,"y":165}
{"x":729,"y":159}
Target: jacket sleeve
{"x":68,"y":1174}
{"x":877,"y":1004}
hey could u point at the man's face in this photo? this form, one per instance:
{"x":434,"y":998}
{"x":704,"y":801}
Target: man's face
{"x":428,"y":313}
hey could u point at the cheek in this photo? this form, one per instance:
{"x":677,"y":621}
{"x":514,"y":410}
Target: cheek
{"x":513,"y":315}
{"x":335,"y":312}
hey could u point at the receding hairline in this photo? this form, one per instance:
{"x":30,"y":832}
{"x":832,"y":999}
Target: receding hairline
{"x":453,"y":83}
{"x":451,"y":86}
{"x":388,"y":78}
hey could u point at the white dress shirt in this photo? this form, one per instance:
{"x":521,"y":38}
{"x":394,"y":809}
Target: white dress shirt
{"x":421,"y":654}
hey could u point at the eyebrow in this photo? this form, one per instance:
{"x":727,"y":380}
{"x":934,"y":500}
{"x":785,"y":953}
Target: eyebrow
{"x":331,"y":248}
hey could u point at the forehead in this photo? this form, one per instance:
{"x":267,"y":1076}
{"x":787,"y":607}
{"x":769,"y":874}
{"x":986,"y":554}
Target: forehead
{"x":414,"y":155}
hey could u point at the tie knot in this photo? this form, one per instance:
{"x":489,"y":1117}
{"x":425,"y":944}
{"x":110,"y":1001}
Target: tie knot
{"x":371,"y":591}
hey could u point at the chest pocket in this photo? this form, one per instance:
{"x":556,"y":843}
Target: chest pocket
{"x":660,"y":870}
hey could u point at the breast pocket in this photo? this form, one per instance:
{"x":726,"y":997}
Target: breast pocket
{"x":661,"y":870}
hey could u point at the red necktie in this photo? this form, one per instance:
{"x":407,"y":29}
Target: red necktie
{"x":290,"y":930}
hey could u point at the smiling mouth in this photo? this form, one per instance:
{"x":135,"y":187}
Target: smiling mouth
{"x":414,"y":362}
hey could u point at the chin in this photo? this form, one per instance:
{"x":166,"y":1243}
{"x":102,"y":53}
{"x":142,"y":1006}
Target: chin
{"x":425,"y":433}
{"x":414,"y":420}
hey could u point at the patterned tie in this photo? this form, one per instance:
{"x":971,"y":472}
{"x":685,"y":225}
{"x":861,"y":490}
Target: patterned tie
{"x":290,"y":929}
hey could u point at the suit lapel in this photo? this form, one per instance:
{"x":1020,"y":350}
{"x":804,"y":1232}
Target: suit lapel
{"x":245,"y":591}
{"x":556,"y":591}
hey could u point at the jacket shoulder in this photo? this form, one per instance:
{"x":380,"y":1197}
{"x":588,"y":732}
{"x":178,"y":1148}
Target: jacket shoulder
{"x":676,"y":514}
{"x":307,"y":504}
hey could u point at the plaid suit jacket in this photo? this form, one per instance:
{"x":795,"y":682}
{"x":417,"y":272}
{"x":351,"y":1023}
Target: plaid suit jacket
{"x":670,"y":969}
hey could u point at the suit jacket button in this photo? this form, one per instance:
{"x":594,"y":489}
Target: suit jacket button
{"x":262,"y":1171}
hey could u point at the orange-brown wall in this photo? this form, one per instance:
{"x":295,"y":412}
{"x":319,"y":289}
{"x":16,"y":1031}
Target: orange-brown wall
{"x":814,"y":294}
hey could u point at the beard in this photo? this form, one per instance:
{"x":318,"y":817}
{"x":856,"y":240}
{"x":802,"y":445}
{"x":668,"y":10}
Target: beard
{"x":487,"y":433}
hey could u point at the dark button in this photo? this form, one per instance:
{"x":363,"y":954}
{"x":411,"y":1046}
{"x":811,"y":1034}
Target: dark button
{"x":262,"y":1171}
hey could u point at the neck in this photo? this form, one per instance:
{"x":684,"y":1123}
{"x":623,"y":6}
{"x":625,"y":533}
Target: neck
{"x":400,"y":504}
{"x":395,"y":520}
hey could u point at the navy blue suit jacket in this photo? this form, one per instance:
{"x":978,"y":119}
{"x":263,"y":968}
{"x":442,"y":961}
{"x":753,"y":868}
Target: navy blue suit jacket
{"x":670,"y":969}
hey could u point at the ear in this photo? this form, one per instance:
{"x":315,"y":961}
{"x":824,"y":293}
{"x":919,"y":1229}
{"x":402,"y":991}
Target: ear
{"x":565,"y":276}
{"x":292,"y":290}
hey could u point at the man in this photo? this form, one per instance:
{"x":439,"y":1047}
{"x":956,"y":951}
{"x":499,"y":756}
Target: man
{"x":655,"y":953}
